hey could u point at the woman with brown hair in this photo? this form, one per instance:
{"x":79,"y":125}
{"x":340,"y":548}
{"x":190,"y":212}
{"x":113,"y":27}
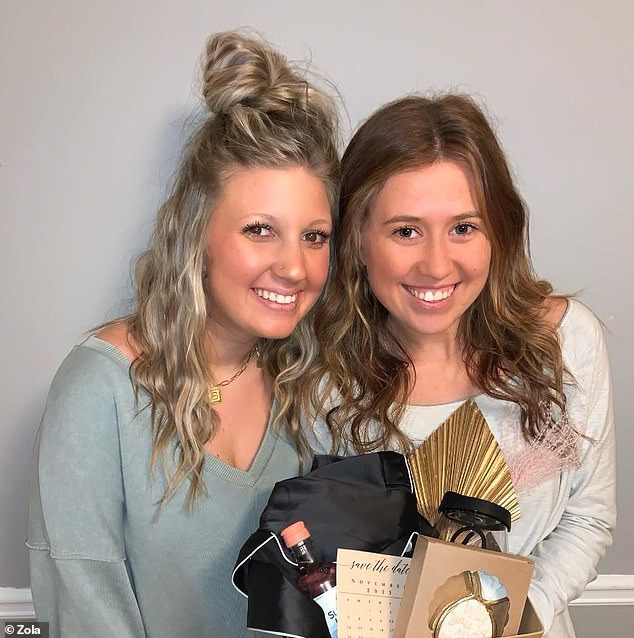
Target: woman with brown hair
{"x":164,"y":431}
{"x":433,"y":301}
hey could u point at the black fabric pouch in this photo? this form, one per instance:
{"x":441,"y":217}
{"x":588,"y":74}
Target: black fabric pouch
{"x":359,"y":502}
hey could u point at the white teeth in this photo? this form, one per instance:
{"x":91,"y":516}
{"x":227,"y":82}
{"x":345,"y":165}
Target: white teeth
{"x":432,"y":295}
{"x":274,"y":296}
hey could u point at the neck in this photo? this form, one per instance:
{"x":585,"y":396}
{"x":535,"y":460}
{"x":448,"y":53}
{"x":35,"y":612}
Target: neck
{"x":436,"y":354}
{"x":441,"y":375}
{"x":224,"y":351}
{"x":432,"y":349}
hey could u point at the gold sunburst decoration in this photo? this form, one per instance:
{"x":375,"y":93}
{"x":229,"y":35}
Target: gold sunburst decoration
{"x":462,"y":456}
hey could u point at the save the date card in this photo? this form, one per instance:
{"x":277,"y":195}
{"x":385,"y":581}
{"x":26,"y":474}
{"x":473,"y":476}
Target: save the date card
{"x":369,"y":591}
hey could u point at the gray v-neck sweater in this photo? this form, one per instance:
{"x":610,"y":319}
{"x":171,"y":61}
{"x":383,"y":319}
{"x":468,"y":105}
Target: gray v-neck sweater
{"x":102,"y":562}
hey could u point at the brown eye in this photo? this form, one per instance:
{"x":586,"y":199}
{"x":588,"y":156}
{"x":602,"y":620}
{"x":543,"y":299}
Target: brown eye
{"x":257,"y":230}
{"x":317,"y":237}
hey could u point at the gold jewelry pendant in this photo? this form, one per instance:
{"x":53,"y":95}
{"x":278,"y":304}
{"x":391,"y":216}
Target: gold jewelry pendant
{"x":213,"y":395}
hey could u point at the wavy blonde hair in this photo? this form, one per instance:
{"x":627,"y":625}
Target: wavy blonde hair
{"x":263,"y":113}
{"x":510,"y":350}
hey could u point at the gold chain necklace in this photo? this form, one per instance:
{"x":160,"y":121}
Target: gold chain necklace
{"x":213,"y":393}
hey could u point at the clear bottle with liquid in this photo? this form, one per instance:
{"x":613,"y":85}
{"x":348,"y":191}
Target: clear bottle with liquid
{"x":316,"y":578}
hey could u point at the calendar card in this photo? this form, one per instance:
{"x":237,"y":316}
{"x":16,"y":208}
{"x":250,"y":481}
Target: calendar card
{"x":369,"y":591}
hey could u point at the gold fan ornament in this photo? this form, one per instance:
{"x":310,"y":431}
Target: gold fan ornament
{"x":461,"y":456}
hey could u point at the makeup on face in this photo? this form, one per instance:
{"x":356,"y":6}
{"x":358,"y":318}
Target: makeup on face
{"x":267,"y":252}
{"x":426,"y":250}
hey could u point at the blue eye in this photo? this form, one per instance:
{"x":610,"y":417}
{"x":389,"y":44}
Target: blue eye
{"x":464,"y":229}
{"x":405,"y":232}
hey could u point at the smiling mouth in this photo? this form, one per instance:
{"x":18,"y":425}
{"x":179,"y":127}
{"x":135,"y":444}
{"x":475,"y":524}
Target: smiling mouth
{"x":431,"y":295}
{"x":275,"y":297}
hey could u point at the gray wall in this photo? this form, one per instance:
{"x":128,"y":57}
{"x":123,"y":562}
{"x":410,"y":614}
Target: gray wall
{"x":93,"y":96}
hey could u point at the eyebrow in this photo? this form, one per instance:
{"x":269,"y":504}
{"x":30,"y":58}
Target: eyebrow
{"x":413,"y":218}
{"x":273,"y":219}
{"x":325,"y":220}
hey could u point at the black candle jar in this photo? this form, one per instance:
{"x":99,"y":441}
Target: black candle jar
{"x":473,"y":521}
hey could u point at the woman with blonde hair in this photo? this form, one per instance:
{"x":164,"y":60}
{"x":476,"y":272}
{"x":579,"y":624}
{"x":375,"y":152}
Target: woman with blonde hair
{"x":164,"y":431}
{"x":433,"y":301}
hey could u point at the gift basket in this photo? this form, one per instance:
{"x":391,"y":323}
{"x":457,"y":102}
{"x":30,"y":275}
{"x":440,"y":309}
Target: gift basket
{"x":360,"y":502}
{"x":452,"y":498}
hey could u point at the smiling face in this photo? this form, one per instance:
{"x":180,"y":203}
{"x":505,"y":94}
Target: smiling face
{"x":267,"y":252}
{"x":426,"y":251}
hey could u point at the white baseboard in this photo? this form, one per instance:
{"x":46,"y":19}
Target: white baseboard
{"x":16,"y":603}
{"x":607,"y":589}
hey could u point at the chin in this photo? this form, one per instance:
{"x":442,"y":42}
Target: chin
{"x":276,"y":333}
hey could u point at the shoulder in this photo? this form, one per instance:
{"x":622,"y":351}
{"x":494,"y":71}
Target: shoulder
{"x":554,"y":309}
{"x":574,"y":322}
{"x":579,"y":316}
{"x":89,"y":364}
{"x":90,"y":396}
{"x":76,"y":495}
{"x":584,"y":348}
{"x":118,"y":335}
{"x":580,"y":332}
{"x":89,"y":390}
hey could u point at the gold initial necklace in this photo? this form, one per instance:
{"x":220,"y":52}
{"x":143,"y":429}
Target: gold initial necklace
{"x":213,"y":393}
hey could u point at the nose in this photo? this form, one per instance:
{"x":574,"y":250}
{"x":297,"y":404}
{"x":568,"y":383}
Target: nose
{"x":436,"y":261}
{"x":290,"y":262}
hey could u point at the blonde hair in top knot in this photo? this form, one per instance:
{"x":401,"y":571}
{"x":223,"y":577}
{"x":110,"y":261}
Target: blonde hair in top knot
{"x":243,"y":71}
{"x":264,"y":113}
{"x":254,"y":92}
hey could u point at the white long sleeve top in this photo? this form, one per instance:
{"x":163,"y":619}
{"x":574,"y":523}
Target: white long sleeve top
{"x":568,"y":509}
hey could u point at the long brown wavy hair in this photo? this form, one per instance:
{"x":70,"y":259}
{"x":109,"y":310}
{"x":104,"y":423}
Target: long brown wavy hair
{"x":510,"y":350}
{"x":263,"y":112}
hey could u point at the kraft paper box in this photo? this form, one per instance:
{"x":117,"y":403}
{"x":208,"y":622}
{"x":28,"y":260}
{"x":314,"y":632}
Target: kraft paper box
{"x":370,"y":588}
{"x":437,"y":575}
{"x":530,"y":627}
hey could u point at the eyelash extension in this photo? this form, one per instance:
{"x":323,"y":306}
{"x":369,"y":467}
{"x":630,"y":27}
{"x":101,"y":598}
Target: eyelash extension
{"x":322,"y":232}
{"x":325,"y":234}
{"x":254,"y":225}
